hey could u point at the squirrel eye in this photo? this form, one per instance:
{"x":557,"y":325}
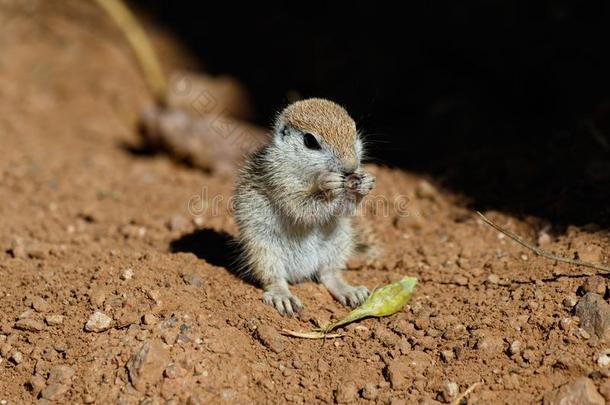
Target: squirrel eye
{"x":311,"y":142}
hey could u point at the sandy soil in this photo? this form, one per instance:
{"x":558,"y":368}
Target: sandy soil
{"x":88,"y":224}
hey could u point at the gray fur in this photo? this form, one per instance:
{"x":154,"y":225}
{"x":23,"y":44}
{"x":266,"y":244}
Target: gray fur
{"x":293,"y":210}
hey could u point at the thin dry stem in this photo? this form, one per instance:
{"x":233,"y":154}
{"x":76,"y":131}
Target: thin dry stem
{"x":465,"y":393}
{"x":140,"y":44}
{"x":311,"y":335}
{"x":541,"y":252}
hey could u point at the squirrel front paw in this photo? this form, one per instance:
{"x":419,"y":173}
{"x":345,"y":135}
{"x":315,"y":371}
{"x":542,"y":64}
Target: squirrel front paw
{"x":330,"y":183}
{"x":360,"y":183}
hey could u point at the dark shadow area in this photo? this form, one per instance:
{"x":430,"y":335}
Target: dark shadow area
{"x":217,"y":248}
{"x":141,"y":150}
{"x":505,"y":102}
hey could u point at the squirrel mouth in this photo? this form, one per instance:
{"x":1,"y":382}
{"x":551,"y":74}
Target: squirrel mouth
{"x":352,"y":181}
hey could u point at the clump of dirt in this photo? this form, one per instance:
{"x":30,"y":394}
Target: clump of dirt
{"x":116,"y":267}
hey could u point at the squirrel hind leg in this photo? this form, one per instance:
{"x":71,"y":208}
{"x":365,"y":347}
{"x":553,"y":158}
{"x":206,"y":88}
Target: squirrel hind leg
{"x":346,"y":294}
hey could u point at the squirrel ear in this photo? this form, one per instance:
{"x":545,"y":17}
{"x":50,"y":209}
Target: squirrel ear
{"x":282,"y":130}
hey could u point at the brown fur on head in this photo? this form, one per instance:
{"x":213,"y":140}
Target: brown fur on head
{"x":326,"y":119}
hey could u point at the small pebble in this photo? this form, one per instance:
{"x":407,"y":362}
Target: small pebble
{"x":425,"y":190}
{"x":16,"y":357}
{"x":370,"y":391}
{"x":149,"y":319}
{"x":193,"y":279}
{"x":566,"y":323}
{"x":543,"y":238}
{"x":54,"y":320}
{"x":98,"y":322}
{"x":127,"y":274}
{"x":346,"y":393}
{"x":570,"y":301}
{"x":493,"y":279}
{"x":603,"y":360}
{"x":29,"y":325}
{"x":39,"y":304}
{"x":447,"y":356}
{"x":449,"y":390}
{"x":595,"y":284}
{"x":515,"y":348}
{"x":178,"y":223}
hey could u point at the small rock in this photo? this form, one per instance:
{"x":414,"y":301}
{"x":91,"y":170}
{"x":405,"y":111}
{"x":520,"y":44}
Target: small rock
{"x":490,"y":344}
{"x":149,"y":319}
{"x":582,"y":391}
{"x":17,"y":357}
{"x":460,"y":280}
{"x":145,"y":367}
{"x":447,"y":356}
{"x":591,"y":253}
{"x":178,"y":223}
{"x":515,"y":348}
{"x":25,"y":314}
{"x":425,"y":190}
{"x":18,"y":249}
{"x":570,"y":301}
{"x":603,"y":359}
{"x":194,"y":399}
{"x":594,"y":314}
{"x":175,"y":371}
{"x":370,"y":391}
{"x":132,"y":231}
{"x":493,"y":279}
{"x":97,"y":297}
{"x":126,"y":318}
{"x":39,"y":304}
{"x":544,"y":238}
{"x":127,"y":274}
{"x":529,"y":355}
{"x":455,"y":331}
{"x":54,"y":392}
{"x":269,"y":337}
{"x":54,"y":320}
{"x":400,"y":371}
{"x":29,"y":325}
{"x":5,"y":349}
{"x":346,"y":393}
{"x":36,"y":384}
{"x":60,"y":375}
{"x":595,"y":284}
{"x":583,"y":333}
{"x":98,"y":322}
{"x":193,"y":279}
{"x":566,"y":323}
{"x":449,"y":390}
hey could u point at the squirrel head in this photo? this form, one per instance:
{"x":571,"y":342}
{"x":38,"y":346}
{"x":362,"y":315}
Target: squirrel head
{"x":317,"y":134}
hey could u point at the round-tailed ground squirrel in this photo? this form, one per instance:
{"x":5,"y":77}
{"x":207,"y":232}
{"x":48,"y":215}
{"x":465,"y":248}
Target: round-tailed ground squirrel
{"x":293,"y":202}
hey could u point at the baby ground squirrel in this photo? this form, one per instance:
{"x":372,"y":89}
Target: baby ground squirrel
{"x":293,"y":202}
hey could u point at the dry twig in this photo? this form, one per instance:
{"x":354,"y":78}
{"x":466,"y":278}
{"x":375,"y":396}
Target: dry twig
{"x":465,"y":393}
{"x":312,"y":335}
{"x":541,"y":252}
{"x":139,"y":42}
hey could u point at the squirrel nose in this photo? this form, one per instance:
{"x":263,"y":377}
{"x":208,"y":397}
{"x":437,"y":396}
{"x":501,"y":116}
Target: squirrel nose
{"x":349,"y":167}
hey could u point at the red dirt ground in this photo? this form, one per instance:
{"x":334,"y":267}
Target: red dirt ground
{"x":88,"y":225}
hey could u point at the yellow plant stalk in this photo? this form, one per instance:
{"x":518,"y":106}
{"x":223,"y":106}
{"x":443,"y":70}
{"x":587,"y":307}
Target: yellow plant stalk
{"x":384,"y":301}
{"x":141,"y":46}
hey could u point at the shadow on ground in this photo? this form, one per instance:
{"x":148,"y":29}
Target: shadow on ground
{"x":217,"y":248}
